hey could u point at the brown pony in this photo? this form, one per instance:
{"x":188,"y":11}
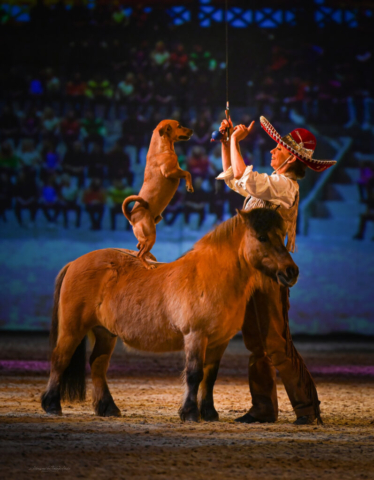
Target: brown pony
{"x":196,"y":303}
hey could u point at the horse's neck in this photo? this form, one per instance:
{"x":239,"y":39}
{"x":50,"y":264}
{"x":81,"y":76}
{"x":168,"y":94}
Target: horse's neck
{"x":226,"y":263}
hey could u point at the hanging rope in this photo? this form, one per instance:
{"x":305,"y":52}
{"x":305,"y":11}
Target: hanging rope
{"x":216,"y":135}
{"x":227,"y":60}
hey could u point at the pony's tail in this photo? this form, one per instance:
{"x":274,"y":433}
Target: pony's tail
{"x":73,"y":380}
{"x":132,"y":198}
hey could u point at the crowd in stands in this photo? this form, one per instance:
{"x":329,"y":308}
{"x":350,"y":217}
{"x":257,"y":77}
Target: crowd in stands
{"x":60,"y":165}
{"x":93,"y":83}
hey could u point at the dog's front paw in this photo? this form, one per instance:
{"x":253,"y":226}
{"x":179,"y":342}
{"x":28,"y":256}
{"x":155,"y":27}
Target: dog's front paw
{"x":190,"y":188}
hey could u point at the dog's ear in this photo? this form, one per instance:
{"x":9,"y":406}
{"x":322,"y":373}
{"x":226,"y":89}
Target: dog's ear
{"x":165,"y":130}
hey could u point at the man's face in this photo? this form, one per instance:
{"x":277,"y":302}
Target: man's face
{"x":279,"y":155}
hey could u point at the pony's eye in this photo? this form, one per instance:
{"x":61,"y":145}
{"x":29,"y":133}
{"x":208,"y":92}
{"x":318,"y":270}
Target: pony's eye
{"x":263,"y":238}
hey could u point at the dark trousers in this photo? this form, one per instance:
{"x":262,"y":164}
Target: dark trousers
{"x":93,"y":138}
{"x":32,"y":207}
{"x":77,"y":103}
{"x":267,"y":335}
{"x":200,"y":212}
{"x":96,"y":213}
{"x":48,"y":208}
{"x":171,"y":215}
{"x":217,"y":209}
{"x":364,"y":218}
{"x":114,"y":211}
{"x":66,"y":208}
{"x":101,"y":101}
{"x":363,"y":190}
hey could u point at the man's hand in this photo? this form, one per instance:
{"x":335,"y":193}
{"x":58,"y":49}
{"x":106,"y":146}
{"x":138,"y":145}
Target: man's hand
{"x":224,"y":125}
{"x":241,"y":131}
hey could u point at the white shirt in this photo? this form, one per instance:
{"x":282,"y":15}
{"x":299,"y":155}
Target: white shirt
{"x":276,"y":188}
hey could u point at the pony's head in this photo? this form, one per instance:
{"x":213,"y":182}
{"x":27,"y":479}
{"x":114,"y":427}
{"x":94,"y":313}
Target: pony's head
{"x":263,"y":245}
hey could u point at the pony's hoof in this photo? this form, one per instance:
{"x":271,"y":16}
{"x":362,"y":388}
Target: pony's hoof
{"x":51,"y":403}
{"x":192,"y":415}
{"x":113,"y":411}
{"x":209,"y":414}
{"x":53,"y":410}
{"x":247,"y":418}
{"x":108,"y":409}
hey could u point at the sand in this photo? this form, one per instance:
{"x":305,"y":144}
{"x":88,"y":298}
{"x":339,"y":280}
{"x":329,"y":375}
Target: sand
{"x":149,"y":441}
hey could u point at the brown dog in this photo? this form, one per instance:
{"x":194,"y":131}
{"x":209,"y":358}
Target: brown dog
{"x":161,"y":180}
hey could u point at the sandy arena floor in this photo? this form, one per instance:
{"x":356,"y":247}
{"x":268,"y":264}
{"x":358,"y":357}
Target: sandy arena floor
{"x":149,"y":441}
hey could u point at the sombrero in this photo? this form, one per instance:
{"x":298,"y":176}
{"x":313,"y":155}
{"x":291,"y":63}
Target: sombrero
{"x":301,"y":143}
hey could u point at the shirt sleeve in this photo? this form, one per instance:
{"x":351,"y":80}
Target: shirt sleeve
{"x":228,"y":177}
{"x":277,"y":189}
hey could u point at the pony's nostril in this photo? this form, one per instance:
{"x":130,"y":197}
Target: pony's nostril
{"x":292,"y":272}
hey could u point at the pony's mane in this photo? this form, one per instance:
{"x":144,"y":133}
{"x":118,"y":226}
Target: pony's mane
{"x":262,"y":220}
{"x":220,"y":234}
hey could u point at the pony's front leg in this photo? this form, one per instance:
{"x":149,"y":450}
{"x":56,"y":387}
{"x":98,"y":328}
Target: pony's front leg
{"x":211,"y":366}
{"x":195,"y":347}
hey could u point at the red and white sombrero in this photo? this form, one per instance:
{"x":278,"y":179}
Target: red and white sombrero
{"x":301,"y":143}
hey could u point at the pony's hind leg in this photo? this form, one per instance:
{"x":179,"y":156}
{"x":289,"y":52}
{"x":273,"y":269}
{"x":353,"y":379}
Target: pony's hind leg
{"x":67,"y":375}
{"x":211,"y":366}
{"x":102,"y":399}
{"x":195,"y":347}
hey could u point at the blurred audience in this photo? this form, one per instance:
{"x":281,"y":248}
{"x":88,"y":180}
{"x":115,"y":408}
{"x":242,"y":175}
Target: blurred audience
{"x":25,"y":196}
{"x":116,"y":194}
{"x":175,"y":208}
{"x":9,"y":125}
{"x":366,"y":180}
{"x":118,"y":164}
{"x":94,"y":202}
{"x":75,"y":163}
{"x":125,"y":68}
{"x":75,"y":92}
{"x":70,"y":128}
{"x":29,"y":156}
{"x":197,"y":203}
{"x":6,"y":194}
{"x":69,"y":196}
{"x":368,"y":216}
{"x":30,"y":126}
{"x":49,"y":201}
{"x":92,"y":129}
{"x":198,"y":163}
{"x":9,"y":161}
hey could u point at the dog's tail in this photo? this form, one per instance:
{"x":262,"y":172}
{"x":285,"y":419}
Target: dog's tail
{"x":132,"y":198}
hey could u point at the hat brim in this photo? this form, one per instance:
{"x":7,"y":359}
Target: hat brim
{"x":313,"y":164}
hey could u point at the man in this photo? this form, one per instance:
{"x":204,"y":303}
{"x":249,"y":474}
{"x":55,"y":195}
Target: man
{"x":116,"y":194}
{"x":369,"y":214}
{"x":265,"y":329}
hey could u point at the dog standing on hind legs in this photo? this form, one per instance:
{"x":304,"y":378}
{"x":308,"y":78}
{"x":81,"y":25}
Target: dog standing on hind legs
{"x":161,"y":180}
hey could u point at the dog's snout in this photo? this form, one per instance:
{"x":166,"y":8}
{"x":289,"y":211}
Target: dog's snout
{"x":185,"y":133}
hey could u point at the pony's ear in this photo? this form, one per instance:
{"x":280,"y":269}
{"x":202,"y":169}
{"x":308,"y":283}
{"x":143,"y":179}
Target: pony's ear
{"x":241,"y":215}
{"x":165,"y":129}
